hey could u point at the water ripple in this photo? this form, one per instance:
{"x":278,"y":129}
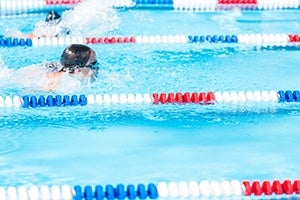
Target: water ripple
{"x":10,"y":141}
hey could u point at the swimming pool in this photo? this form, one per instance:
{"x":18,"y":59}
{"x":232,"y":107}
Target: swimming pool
{"x":123,"y":138}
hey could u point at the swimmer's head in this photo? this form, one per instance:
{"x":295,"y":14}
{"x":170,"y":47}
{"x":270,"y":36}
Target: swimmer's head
{"x":53,"y":16}
{"x":79,"y":58}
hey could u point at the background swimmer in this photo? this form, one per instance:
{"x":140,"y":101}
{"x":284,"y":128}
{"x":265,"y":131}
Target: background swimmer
{"x":53,"y":26}
{"x":78,"y":21}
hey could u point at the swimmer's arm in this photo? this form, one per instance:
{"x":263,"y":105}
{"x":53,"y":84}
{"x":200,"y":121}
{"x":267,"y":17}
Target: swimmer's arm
{"x":53,"y":79}
{"x":30,"y":35}
{"x":24,"y":35}
{"x":52,"y":83}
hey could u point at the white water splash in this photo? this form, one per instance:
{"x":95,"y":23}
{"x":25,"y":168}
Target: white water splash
{"x":33,"y":78}
{"x":5,"y":73}
{"x":91,"y":17}
{"x":228,"y":20}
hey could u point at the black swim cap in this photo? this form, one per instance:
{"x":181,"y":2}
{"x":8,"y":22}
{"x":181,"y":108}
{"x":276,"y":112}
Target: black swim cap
{"x":77,"y":56}
{"x":52,"y":16}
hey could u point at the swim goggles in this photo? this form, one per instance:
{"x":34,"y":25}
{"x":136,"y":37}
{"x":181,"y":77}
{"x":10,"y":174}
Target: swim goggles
{"x":72,"y":69}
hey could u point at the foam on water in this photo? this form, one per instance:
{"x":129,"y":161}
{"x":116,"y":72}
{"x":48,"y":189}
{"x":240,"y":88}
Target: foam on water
{"x":4,"y":73}
{"x":33,"y":79}
{"x":228,"y":20}
{"x":86,"y":16}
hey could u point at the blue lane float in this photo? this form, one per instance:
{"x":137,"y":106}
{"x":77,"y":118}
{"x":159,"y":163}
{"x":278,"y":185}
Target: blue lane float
{"x":131,"y":194}
{"x":99,"y":194}
{"x":54,"y":101}
{"x":119,"y":192}
{"x":14,"y":42}
{"x":288,"y":96}
{"x":213,"y":38}
{"x":88,"y":193}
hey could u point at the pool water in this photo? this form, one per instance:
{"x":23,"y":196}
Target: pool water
{"x":110,"y":144}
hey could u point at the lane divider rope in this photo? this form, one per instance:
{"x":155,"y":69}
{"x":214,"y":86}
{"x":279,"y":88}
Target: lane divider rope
{"x":11,"y":6}
{"x":172,"y":189}
{"x":200,"y":98}
{"x":214,"y":5}
{"x":114,"y":3}
{"x":264,"y":40}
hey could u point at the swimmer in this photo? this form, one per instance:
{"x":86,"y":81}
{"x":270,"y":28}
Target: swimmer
{"x":77,"y":61}
{"x":77,"y":67}
{"x":53,"y":26}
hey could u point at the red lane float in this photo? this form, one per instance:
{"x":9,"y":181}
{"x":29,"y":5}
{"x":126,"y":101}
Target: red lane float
{"x":109,"y":40}
{"x":200,"y":98}
{"x":268,"y":188}
{"x":243,"y":4}
{"x":62,"y":2}
{"x":294,"y":38}
{"x":237,"y":1}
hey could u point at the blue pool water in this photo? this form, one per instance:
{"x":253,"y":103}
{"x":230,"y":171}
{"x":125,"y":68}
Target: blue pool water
{"x":113,"y":144}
